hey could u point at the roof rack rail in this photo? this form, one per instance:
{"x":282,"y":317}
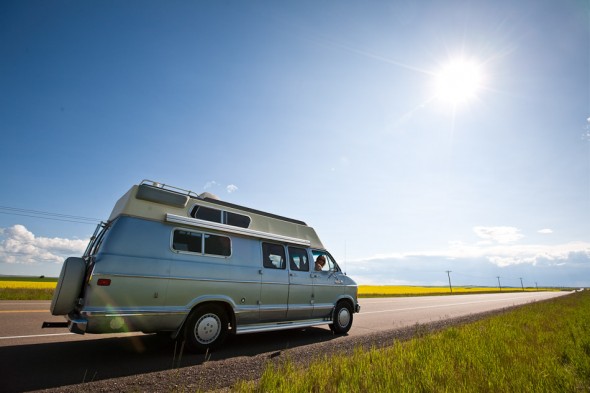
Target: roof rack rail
{"x":157,"y":184}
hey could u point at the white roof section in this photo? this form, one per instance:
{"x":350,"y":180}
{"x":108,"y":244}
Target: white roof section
{"x":156,"y":201}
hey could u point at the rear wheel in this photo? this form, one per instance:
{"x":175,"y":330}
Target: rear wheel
{"x":206,"y":328}
{"x":342,"y":320}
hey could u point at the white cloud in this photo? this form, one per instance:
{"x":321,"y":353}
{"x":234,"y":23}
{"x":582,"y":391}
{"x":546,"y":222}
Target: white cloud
{"x":498,"y":234}
{"x":18,"y":245}
{"x":478,"y":264}
{"x":499,"y":254}
{"x":545,"y":231}
{"x":210,"y":184}
{"x":213,"y":184}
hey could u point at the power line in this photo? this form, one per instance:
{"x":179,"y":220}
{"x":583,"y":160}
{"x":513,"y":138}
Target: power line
{"x":51,"y":218}
{"x":48,"y":215}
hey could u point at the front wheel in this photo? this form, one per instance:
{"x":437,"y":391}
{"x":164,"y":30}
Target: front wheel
{"x":206,"y":328}
{"x":342,"y":321}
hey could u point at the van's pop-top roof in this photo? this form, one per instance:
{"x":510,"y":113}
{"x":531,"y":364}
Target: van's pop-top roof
{"x":157,"y":201}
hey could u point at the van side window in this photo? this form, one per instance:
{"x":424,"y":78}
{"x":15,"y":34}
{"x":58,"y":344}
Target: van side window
{"x":331,"y":265}
{"x":220,"y":216}
{"x":206,"y":213}
{"x":236,"y":220}
{"x":217,"y":245}
{"x":273,"y":256}
{"x":298,"y":259}
{"x":201,"y":243}
{"x":187,"y":241}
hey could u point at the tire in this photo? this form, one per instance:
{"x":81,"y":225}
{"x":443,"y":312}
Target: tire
{"x":342,"y":320}
{"x":206,"y":328}
{"x":68,"y":286}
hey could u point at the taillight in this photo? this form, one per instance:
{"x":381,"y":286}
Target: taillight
{"x":103,"y":282}
{"x":89,"y":270}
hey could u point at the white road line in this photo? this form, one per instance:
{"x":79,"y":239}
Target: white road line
{"x":439,"y":305}
{"x":397,"y":299}
{"x":35,"y":335}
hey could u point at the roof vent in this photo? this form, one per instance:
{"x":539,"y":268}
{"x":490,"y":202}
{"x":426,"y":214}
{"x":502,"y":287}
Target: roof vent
{"x":208,"y":195}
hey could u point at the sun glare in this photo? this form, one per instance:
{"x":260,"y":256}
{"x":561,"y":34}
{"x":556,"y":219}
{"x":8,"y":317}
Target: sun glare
{"x":458,"y":81}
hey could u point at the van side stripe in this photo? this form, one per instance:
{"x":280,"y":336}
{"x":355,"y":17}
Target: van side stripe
{"x":195,"y":222}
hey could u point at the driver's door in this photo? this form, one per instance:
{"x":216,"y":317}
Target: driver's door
{"x":328,"y":285}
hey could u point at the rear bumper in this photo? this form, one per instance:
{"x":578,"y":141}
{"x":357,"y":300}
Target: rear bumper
{"x":357,"y":308}
{"x":77,"y":325}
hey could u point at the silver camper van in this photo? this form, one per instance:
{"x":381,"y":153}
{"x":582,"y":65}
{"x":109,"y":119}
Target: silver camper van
{"x":170,"y":260}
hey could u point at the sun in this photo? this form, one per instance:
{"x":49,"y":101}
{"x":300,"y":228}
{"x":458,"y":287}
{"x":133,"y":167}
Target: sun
{"x":458,"y":81}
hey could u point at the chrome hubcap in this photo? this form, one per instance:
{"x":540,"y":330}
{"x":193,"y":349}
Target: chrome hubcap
{"x":207,"y":328}
{"x":344,"y":317}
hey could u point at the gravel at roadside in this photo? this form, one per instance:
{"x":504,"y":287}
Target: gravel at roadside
{"x":223,"y":374}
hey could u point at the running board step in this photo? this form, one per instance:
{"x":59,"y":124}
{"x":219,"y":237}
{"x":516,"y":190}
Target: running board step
{"x":267,"y":327}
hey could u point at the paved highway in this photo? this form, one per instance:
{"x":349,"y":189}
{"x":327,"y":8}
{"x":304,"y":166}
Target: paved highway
{"x":33,"y":358}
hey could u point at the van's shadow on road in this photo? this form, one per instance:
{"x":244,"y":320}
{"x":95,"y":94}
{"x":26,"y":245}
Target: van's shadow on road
{"x":42,"y":366}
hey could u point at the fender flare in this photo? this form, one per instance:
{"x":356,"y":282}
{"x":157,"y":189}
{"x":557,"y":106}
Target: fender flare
{"x":224,"y":301}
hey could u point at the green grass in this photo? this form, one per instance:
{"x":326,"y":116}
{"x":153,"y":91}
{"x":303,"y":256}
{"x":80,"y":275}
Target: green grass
{"x":542,"y":347}
{"x":28,"y":279}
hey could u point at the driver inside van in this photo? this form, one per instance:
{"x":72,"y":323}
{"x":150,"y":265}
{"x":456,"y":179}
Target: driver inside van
{"x":320,"y":262}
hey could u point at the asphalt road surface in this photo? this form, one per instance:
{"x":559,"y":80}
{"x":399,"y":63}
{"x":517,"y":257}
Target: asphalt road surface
{"x":32,"y":358}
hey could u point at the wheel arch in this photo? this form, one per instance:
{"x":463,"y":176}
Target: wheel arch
{"x":225,"y":304}
{"x":345,"y":299}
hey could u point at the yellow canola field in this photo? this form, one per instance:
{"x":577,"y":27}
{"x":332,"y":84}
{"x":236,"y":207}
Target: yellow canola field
{"x":364,"y":290}
{"x":28,"y":284}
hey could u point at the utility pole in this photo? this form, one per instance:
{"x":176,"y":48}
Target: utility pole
{"x":522,"y":286}
{"x":537,"y":286}
{"x":500,"y":285}
{"x":450,"y":286}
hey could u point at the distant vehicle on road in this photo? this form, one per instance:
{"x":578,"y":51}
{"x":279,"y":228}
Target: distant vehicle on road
{"x":169,"y":260}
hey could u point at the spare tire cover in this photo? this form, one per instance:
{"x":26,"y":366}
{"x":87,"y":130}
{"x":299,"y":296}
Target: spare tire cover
{"x":68,"y":287}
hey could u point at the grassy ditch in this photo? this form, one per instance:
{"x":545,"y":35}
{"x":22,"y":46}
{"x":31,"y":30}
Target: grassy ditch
{"x":542,"y":347}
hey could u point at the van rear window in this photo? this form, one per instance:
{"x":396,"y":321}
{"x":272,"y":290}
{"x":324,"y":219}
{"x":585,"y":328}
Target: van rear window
{"x":201,"y":243}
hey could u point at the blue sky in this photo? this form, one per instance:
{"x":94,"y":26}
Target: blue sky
{"x":323,"y":111}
